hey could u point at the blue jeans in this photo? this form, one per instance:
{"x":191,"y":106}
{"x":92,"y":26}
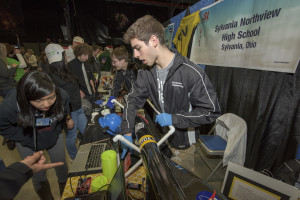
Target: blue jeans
{"x":80,"y":122}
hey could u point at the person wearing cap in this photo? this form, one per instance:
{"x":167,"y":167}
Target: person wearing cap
{"x":70,"y":49}
{"x":32,"y":116}
{"x":83,"y":71}
{"x":62,"y":76}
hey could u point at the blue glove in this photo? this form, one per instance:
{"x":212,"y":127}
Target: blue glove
{"x":99,"y":102}
{"x":164,"y":119}
{"x":109,"y":103}
{"x":125,"y":148}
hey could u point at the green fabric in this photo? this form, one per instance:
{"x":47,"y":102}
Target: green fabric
{"x":19,"y":72}
{"x":107,"y":65}
{"x":11,"y":61}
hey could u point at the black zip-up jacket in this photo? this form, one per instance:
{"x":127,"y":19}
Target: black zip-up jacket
{"x":124,"y":77}
{"x":75,"y":67}
{"x":46,"y":138}
{"x":12,"y":179}
{"x":72,"y":88}
{"x":188,"y":95}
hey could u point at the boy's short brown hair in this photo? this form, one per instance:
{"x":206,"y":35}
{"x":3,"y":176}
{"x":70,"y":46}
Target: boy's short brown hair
{"x":120,"y":53}
{"x":143,"y":29}
{"x":81,"y":49}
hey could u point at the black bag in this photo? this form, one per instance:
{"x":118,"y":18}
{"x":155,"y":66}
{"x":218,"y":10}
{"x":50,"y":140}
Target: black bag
{"x":288,"y":172}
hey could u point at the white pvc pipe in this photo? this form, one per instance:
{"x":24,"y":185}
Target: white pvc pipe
{"x":122,"y":139}
{"x":168,"y":134}
{"x":115,"y":101}
{"x":157,"y":112}
{"x":171,"y":131}
{"x":133,"y":168}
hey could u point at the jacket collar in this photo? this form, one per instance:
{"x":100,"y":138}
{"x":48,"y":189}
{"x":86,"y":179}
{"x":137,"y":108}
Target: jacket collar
{"x":178,"y":60}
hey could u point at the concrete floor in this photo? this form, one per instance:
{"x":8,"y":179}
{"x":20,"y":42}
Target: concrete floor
{"x":27,"y":192}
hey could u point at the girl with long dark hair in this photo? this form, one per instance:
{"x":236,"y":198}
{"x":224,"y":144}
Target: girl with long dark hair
{"x":61,"y":75}
{"x":32,"y":116}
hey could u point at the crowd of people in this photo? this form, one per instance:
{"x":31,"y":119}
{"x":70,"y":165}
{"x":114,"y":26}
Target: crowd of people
{"x":39,"y":97}
{"x":51,"y":91}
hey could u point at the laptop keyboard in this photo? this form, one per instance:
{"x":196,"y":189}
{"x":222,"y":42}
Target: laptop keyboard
{"x":94,"y":158}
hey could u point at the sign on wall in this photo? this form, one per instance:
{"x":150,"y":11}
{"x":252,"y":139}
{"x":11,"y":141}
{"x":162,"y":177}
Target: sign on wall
{"x":253,"y":34}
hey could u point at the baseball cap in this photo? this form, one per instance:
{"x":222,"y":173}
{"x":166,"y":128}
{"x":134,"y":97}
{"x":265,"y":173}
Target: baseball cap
{"x":54,"y":52}
{"x":78,"y":39}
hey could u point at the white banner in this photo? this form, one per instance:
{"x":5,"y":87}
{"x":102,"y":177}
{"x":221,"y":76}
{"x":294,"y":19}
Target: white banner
{"x":255,"y":34}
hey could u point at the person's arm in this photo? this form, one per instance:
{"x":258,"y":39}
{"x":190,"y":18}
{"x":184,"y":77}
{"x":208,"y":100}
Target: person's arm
{"x":13,"y":178}
{"x":135,"y":100}
{"x":16,"y":175}
{"x":66,"y":100}
{"x":117,"y":85}
{"x":93,"y":85}
{"x":204,"y":101}
{"x":8,"y":124}
{"x":91,"y":77}
{"x":5,"y":72}
{"x":21,"y":59}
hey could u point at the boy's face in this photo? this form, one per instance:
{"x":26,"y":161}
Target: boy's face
{"x":119,"y":64}
{"x":143,"y":52}
{"x":83,"y":57}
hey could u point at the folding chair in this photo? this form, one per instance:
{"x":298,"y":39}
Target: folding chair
{"x":229,"y":140}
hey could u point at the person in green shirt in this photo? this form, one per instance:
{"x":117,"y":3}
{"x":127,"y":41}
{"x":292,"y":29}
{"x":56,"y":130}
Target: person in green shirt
{"x":15,"y":57}
{"x":104,"y":57}
{"x":7,"y":72}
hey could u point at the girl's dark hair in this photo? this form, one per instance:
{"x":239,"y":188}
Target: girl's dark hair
{"x":60,"y":68}
{"x":33,"y":86}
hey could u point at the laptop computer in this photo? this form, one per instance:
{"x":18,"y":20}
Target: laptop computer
{"x":116,"y":189}
{"x":88,"y":159}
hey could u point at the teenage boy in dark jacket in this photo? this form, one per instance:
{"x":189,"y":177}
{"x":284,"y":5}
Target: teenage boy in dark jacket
{"x":179,"y":88}
{"x":126,"y":71}
{"x":83,"y":71}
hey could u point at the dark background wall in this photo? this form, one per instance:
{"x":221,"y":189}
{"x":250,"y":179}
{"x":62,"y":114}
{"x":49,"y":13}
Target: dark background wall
{"x":35,"y":20}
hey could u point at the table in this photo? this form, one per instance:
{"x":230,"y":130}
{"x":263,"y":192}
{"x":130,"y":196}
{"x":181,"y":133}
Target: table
{"x":135,"y":177}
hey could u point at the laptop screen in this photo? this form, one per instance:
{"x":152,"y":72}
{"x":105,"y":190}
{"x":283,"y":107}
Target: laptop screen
{"x":117,"y":189}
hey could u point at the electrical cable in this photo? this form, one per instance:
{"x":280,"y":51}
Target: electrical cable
{"x":143,"y":118}
{"x":84,"y":195}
